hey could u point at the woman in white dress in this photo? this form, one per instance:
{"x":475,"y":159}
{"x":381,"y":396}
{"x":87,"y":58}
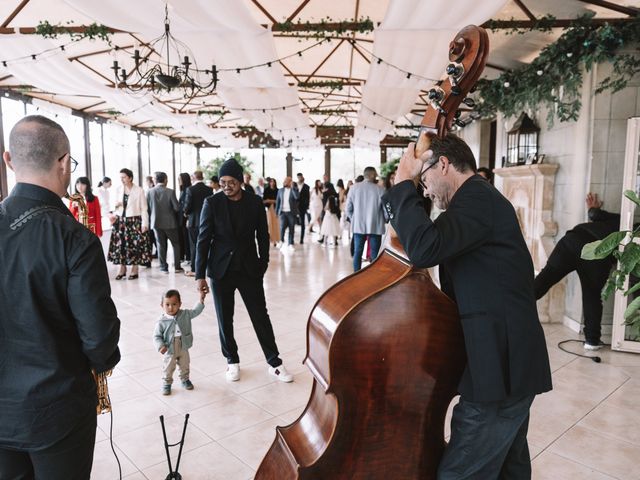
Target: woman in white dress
{"x":315,"y":206}
{"x":331,"y":221}
{"x":105,"y":201}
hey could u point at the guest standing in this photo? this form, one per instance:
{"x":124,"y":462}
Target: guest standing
{"x":194,"y":200}
{"x":331,"y":221}
{"x":287,"y":209}
{"x":58,"y":321}
{"x":94,"y":213}
{"x":303,"y":204}
{"x":163,"y":210}
{"x":184,"y":182}
{"x":105,"y":201}
{"x":315,"y":206}
{"x":128,"y":244}
{"x":231,"y":227}
{"x":269,"y":201}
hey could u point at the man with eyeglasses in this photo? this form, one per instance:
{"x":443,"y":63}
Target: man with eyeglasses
{"x":486,"y":269}
{"x":58,"y":321}
{"x":233,"y":251}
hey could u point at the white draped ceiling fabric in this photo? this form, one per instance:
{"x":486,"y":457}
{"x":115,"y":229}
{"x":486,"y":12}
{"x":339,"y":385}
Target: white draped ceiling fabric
{"x":413,"y":37}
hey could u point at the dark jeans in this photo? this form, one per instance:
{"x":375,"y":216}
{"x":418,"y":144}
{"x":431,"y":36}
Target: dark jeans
{"x":358,"y":248}
{"x":303,"y":217}
{"x":161,"y":242}
{"x":488,"y":441}
{"x":252,"y":293}
{"x":70,"y":458}
{"x":593,"y":274}
{"x":287,"y":220}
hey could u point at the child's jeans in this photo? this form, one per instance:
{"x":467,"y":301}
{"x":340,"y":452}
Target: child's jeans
{"x":179,"y":356}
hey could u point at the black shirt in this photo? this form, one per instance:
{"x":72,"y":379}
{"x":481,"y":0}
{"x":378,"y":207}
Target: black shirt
{"x":57,"y":321}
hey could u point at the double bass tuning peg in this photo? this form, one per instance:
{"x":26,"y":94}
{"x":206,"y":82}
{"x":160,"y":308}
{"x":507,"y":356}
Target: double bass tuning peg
{"x":469,"y":102}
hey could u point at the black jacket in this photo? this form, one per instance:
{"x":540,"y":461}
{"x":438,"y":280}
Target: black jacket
{"x":57,"y":321}
{"x":303,"y":198}
{"x":487,"y":270}
{"x":194,"y":199}
{"x":217,"y":243}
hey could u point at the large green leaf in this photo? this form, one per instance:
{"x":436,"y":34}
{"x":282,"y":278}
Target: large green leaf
{"x":602,"y":248}
{"x":631,"y":195}
{"x":632,"y":308}
{"x":630,"y":257}
{"x":608,"y":288}
{"x":633,"y":289}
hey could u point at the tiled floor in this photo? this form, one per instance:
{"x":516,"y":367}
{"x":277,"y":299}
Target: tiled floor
{"x":586,"y":428}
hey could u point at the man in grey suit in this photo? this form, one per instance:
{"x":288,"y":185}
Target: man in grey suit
{"x":364,"y":208}
{"x":163,"y":219}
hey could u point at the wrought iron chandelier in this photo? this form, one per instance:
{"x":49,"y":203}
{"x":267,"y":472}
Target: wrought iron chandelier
{"x":163,"y":75}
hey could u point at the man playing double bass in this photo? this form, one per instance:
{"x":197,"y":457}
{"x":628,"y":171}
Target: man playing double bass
{"x":486,"y":269}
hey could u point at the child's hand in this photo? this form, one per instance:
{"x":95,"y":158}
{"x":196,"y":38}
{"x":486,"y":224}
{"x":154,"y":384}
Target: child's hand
{"x":163,"y":350}
{"x":203,"y":295}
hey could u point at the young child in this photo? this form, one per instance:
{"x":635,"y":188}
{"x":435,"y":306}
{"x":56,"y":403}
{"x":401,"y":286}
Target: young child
{"x":173,"y":338}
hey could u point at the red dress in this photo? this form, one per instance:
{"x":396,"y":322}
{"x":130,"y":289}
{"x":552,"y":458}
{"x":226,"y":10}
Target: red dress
{"x":95,"y":215}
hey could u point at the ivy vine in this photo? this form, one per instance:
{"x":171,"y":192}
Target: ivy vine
{"x":333,"y":84}
{"x":92,"y":32}
{"x":326,"y":27}
{"x":554,"y":79}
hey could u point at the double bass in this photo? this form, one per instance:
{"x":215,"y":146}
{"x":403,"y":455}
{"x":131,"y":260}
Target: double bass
{"x":384,"y":345}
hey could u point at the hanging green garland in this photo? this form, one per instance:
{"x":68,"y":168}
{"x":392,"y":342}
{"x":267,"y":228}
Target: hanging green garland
{"x":554,"y":79}
{"x":333,"y":84}
{"x":92,"y":32}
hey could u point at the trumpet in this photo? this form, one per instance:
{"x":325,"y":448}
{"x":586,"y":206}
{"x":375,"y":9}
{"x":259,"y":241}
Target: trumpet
{"x":102,"y":387}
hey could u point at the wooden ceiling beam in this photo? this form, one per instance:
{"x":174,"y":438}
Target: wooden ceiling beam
{"x":633,"y":12}
{"x":315,"y":27}
{"x":526,"y":11}
{"x":564,"y":23}
{"x":15,"y":12}
{"x":298,"y":10}
{"x":264,"y":10}
{"x":325,"y":59}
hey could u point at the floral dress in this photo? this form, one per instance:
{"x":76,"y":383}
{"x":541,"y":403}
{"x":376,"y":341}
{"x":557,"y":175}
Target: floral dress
{"x":128,"y":245}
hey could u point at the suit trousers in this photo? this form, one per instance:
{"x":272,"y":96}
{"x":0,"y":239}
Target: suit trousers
{"x":69,"y":458}
{"x":593,"y":274}
{"x":161,"y":239}
{"x":303,"y":216}
{"x":488,"y":441}
{"x":193,"y":240}
{"x":287,"y":220}
{"x":252,"y":292}
{"x":179,"y":357}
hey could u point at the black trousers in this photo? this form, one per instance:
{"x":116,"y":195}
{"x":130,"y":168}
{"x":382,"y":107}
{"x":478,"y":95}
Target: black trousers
{"x":252,"y":293}
{"x":303,"y":217}
{"x":173,"y":235}
{"x":593,"y":274}
{"x":287,"y":220}
{"x":69,"y":459}
{"x":193,"y":239}
{"x":488,"y":441}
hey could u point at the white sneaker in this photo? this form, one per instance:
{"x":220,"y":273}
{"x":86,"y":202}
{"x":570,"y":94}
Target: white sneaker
{"x":291,"y":248}
{"x":592,"y":347}
{"x":233,"y":372}
{"x":281,"y":374}
{"x":283,"y":246}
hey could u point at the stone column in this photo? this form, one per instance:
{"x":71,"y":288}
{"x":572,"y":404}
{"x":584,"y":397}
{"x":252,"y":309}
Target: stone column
{"x":530,"y":189}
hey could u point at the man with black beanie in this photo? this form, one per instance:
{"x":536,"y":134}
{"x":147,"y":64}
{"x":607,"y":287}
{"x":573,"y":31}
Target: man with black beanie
{"x":230,"y":226}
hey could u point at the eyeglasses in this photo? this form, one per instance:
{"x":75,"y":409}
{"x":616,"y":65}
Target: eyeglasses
{"x":231,"y":183}
{"x":74,"y":162}
{"x":422,"y":173}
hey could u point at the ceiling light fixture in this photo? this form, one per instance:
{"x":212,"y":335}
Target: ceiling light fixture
{"x":163,"y":75}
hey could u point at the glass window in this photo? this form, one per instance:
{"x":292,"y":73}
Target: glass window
{"x":275,"y":163}
{"x":145,"y":157}
{"x":186,"y":158}
{"x":95,"y":148}
{"x":162,"y":158}
{"x":12,"y":112}
{"x":309,"y":162}
{"x":348,"y":163}
{"x":120,"y":151}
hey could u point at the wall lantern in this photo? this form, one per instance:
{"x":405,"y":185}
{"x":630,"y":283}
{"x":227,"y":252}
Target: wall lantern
{"x":522,"y":142}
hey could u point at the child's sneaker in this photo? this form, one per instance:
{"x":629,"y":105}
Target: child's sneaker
{"x":281,"y":374}
{"x":166,"y":389}
{"x":187,"y":385}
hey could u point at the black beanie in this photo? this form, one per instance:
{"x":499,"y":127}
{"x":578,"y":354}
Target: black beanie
{"x":231,"y":168}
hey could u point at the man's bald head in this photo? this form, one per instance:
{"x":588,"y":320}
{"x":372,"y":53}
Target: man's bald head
{"x":35,"y":143}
